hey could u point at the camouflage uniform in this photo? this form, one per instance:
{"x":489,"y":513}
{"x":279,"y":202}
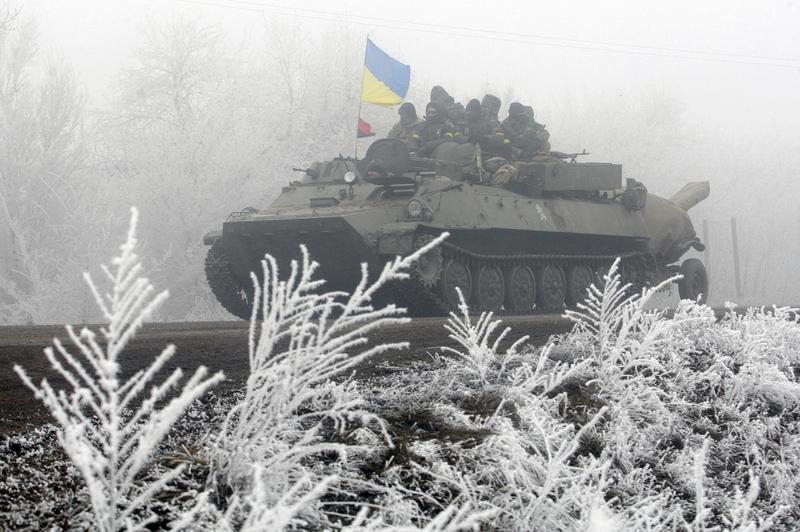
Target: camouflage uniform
{"x":528,"y":138}
{"x":405,"y":126}
{"x":453,"y":110}
{"x":402,"y":130}
{"x":434,"y":130}
{"x":485,"y":130}
{"x":457,"y":115}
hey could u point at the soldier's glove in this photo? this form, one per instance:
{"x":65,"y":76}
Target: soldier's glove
{"x":504,"y":175}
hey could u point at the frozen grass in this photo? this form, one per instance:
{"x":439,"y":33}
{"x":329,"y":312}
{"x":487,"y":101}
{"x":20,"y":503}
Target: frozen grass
{"x":632,"y":421}
{"x":107,"y":429}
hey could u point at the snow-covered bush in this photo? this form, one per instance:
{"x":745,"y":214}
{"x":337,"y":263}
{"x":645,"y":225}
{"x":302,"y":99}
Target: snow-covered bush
{"x":293,"y":409}
{"x":676,"y":388}
{"x":494,"y":438}
{"x":632,"y":421}
{"x":107,"y":429}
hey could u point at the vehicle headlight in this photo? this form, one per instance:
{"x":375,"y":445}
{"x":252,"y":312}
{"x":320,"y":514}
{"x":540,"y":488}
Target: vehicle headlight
{"x":349,"y":177}
{"x":415,"y":209}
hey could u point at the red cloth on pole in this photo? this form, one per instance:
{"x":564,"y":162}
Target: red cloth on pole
{"x":364,"y":129}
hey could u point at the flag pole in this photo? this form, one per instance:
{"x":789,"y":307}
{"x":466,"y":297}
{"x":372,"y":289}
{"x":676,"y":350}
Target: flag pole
{"x":360,"y":97}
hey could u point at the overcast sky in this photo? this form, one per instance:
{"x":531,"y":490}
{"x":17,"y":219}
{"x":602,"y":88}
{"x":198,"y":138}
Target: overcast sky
{"x":722,"y":58}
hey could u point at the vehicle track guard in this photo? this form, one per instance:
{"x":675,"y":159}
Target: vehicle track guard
{"x":397,"y":239}
{"x":211,"y":237}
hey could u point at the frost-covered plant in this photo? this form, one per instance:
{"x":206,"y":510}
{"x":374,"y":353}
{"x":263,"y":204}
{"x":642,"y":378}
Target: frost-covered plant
{"x":627,"y":347}
{"x":451,"y":519}
{"x":514,"y":453}
{"x":476,"y":354}
{"x":739,"y":511}
{"x":626,"y":335}
{"x":108,"y":430}
{"x":306,"y":338}
{"x":611,"y":426}
{"x":676,"y":387}
{"x":632,"y":421}
{"x":257,"y":511}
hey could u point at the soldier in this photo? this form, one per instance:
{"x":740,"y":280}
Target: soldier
{"x":457,"y":115}
{"x":473,"y":121}
{"x":528,"y":138}
{"x":490,"y":107}
{"x":439,"y":95}
{"x":435,"y":130}
{"x":485,"y":130}
{"x":405,"y":126}
{"x":472,"y":112}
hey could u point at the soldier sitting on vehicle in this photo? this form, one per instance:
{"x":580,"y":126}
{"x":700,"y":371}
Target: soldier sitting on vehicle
{"x":455,"y":113}
{"x":433,"y":131}
{"x":472,"y":117}
{"x":439,"y":95}
{"x":409,"y":120}
{"x":484,"y":128}
{"x":528,"y":138}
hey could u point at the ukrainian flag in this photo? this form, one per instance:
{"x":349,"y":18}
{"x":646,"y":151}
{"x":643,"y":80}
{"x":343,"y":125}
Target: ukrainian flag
{"x":385,"y":79}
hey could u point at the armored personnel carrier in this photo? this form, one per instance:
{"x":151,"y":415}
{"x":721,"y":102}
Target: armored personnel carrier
{"x":532,"y":245}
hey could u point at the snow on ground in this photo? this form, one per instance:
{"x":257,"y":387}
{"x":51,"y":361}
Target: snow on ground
{"x":631,"y":421}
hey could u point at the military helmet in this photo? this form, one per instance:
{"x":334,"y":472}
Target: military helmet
{"x":516,"y":108}
{"x":407,"y":110}
{"x":490,"y":105}
{"x":438,"y":94}
{"x":440,"y":111}
{"x":473,"y":110}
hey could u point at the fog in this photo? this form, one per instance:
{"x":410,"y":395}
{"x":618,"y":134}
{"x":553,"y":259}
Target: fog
{"x":193,"y":109}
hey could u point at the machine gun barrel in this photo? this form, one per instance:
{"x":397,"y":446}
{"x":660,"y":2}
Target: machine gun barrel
{"x":571,"y":156}
{"x":312,"y":171}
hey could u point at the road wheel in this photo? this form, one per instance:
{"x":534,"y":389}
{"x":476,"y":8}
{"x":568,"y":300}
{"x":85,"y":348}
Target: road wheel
{"x":579,"y":279}
{"x":520,"y":293}
{"x":694,"y":282}
{"x":455,"y":274}
{"x":489,"y":288}
{"x":551,"y":288}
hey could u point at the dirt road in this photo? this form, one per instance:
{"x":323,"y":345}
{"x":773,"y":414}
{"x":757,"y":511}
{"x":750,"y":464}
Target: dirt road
{"x":218,"y":346}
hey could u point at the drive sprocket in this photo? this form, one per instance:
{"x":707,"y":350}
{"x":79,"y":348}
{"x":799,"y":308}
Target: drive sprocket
{"x":225,"y":285}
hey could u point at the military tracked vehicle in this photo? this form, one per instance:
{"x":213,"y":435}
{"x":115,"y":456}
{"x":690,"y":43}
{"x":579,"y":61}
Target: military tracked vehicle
{"x":533,"y":245}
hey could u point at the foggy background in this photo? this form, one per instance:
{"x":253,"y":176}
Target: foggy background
{"x":193,"y":109}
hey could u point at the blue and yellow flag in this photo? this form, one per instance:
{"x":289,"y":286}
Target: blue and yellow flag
{"x":385,"y":78}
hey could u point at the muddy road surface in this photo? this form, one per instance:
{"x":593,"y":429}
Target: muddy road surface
{"x":218,"y":346}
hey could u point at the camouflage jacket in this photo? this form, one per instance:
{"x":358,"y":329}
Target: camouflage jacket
{"x":403,"y":131}
{"x":489,"y":135}
{"x":428,"y":135}
{"x":528,"y":140}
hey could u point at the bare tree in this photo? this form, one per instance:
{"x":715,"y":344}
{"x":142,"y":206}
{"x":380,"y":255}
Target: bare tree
{"x":202,"y":128}
{"x":41,"y":149}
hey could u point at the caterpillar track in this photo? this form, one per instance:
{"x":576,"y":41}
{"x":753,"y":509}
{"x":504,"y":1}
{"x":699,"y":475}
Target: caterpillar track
{"x":504,"y":284}
{"x":224,"y":284}
{"x":512,"y":284}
